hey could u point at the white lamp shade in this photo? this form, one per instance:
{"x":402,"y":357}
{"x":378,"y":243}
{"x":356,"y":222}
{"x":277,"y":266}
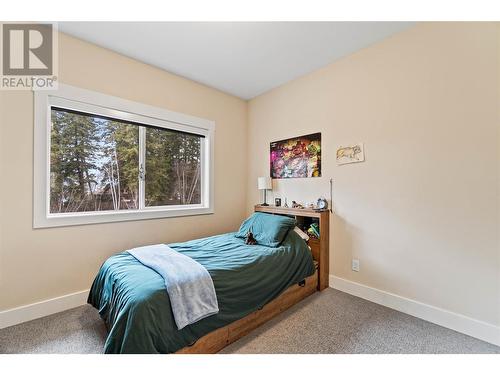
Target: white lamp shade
{"x":264,"y":183}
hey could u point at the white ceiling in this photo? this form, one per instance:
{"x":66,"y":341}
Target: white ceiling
{"x":244,"y":59}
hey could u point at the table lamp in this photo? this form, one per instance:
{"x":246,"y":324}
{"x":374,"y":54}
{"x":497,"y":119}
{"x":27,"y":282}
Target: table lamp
{"x":264,"y":183}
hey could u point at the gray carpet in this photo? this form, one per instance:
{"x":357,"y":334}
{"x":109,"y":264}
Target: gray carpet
{"x":327,"y":322}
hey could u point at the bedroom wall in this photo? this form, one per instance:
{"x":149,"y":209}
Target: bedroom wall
{"x":421,"y":213}
{"x":36,"y":265}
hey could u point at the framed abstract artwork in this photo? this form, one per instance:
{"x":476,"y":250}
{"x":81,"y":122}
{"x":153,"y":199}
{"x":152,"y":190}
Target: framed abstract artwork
{"x":297,"y":157}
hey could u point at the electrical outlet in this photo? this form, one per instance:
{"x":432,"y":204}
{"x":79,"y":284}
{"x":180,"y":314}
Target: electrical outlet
{"x":355,"y":265}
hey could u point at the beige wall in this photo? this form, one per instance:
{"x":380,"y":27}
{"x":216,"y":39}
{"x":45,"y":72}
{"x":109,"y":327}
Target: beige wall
{"x":39,"y":264}
{"x":421,"y":213}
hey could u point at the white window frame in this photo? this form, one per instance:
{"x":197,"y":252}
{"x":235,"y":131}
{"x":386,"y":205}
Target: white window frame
{"x":69,"y":97}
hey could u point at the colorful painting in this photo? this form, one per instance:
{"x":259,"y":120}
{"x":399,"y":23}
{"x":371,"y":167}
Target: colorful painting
{"x":350,"y":154}
{"x":296,"y":157}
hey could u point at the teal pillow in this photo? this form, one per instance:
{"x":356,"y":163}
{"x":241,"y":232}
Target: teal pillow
{"x":268,"y":230}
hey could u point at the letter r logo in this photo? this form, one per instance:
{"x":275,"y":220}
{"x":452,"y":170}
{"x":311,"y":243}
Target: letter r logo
{"x":27,"y":49}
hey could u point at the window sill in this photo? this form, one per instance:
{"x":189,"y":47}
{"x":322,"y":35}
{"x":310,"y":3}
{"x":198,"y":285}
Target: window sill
{"x":85,"y":218}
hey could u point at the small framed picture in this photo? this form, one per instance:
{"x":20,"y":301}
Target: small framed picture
{"x":277,"y":202}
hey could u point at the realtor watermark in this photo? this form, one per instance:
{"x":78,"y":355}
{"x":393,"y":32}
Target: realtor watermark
{"x":28,"y":56}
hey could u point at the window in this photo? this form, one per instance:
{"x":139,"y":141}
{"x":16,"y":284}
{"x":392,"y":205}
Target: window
{"x":94,"y":163}
{"x":173,"y":168}
{"x":99,"y":159}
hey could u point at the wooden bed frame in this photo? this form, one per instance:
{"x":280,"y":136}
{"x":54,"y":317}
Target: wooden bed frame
{"x":218,"y":339}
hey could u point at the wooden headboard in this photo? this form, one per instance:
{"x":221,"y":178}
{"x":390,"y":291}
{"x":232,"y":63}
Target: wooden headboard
{"x":320,"y":247}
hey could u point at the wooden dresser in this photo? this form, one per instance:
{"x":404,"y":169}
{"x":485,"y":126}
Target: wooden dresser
{"x":320,"y":247}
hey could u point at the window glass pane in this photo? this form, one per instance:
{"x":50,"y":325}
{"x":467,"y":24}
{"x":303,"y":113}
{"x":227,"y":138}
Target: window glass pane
{"x":173,"y":168}
{"x":94,"y":163}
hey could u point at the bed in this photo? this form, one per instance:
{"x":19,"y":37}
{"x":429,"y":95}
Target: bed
{"x":249,"y":280}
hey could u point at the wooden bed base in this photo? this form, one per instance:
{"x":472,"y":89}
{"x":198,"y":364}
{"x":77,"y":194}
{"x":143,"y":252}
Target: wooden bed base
{"x":220,"y":338}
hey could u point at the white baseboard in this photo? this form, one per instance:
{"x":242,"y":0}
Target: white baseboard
{"x":457,"y":322}
{"x":36,"y":310}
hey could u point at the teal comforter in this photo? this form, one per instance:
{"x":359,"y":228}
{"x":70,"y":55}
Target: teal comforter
{"x":133,"y":301}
